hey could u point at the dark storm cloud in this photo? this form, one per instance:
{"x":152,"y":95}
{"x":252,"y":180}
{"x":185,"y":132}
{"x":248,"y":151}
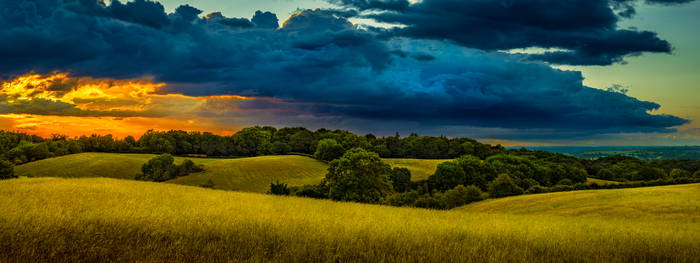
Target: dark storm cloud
{"x":585,"y":30}
{"x":319,"y":64}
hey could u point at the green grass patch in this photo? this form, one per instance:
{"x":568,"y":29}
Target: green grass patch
{"x":420,"y":168}
{"x":98,"y":220}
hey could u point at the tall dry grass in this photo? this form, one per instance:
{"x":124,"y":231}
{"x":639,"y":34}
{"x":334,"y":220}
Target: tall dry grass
{"x":48,"y":219}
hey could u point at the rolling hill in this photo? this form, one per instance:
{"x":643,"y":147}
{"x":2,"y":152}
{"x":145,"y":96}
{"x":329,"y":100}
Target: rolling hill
{"x":101,"y":219}
{"x":673,"y":202}
{"x":252,"y":174}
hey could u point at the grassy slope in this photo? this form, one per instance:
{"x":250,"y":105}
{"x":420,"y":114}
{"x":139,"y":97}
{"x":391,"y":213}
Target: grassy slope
{"x":98,"y":219}
{"x":676,"y":202}
{"x":600,"y":181}
{"x":420,"y":168}
{"x":255,"y":174}
{"x":244,"y":174}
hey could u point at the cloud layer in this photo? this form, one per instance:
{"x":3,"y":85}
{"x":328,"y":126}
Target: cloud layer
{"x":319,"y":66}
{"x":584,"y":32}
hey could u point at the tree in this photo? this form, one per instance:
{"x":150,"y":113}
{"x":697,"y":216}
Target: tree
{"x":696,"y":174}
{"x":301,"y":141}
{"x":278,"y":189}
{"x":280,"y":148}
{"x":461,"y":195}
{"x":358,"y":176}
{"x":447,"y":176}
{"x":159,"y":169}
{"x":605,"y":174}
{"x":7,"y":170}
{"x":400,"y":179}
{"x":504,"y":186}
{"x":650,"y":173}
{"x":677,"y":173}
{"x":328,"y":149}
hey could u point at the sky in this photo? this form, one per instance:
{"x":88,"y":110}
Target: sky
{"x":516,"y":72}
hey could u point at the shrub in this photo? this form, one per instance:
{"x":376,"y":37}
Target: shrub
{"x":159,"y":169}
{"x":312,"y":191}
{"x":401,"y":199}
{"x":208,"y":184}
{"x":565,"y":181}
{"x":528,"y":182}
{"x":428,"y":201}
{"x":278,"y":189}
{"x":504,"y":186}
{"x":696,"y":174}
{"x":162,"y":168}
{"x":400,"y":179}
{"x":461,"y":195}
{"x":7,"y":170}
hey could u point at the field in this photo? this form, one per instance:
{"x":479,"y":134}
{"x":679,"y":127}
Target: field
{"x":673,"y":203}
{"x":100,"y":219}
{"x":420,"y":168}
{"x":252,"y":174}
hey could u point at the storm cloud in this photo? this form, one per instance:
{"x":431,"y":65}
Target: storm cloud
{"x":319,"y":64}
{"x":583,"y":32}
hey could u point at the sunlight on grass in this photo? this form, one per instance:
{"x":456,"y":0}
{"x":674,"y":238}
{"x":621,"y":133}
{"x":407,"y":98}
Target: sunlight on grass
{"x":97,"y":219}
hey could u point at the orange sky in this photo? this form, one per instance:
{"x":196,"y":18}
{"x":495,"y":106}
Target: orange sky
{"x":58,"y":103}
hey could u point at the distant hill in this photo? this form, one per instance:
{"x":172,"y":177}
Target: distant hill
{"x":641,"y":152}
{"x":252,"y":174}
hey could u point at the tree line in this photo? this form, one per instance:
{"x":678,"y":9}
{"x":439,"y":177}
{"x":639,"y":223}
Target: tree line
{"x":474,"y":163}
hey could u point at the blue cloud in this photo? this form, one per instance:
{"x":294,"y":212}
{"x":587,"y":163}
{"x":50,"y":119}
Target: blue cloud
{"x":585,"y":31}
{"x":319,"y":64}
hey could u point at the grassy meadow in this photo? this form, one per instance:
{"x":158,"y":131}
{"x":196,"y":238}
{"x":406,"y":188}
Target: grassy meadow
{"x":420,"y":168}
{"x":100,"y":219}
{"x":252,"y":174}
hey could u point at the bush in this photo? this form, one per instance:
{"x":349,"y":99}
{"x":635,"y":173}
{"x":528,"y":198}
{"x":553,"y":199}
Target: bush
{"x":401,"y":199}
{"x":565,"y":181}
{"x":528,"y":182}
{"x":278,"y":189}
{"x":162,"y":168}
{"x":461,"y":195}
{"x":7,"y":170}
{"x":427,"y":201}
{"x":400,"y":179}
{"x":312,"y":191}
{"x":328,"y":149}
{"x":159,"y":169}
{"x":696,"y":174}
{"x":208,"y":184}
{"x":504,"y":186}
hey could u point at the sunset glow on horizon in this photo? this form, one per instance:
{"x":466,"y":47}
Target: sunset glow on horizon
{"x":61,"y":104}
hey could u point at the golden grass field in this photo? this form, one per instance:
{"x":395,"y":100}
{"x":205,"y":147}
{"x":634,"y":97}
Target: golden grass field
{"x":100,"y":220}
{"x":252,"y":174}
